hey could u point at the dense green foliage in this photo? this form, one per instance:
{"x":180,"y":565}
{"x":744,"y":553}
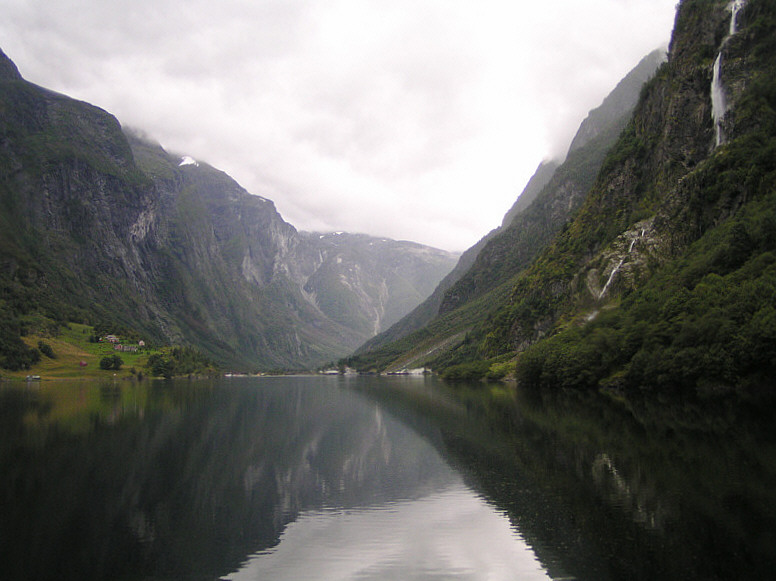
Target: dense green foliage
{"x":111,"y":362}
{"x":46,"y":349}
{"x":696,"y":311}
{"x":705,"y":320}
{"x":14,"y":353}
{"x":176,"y":361}
{"x":466,"y":371}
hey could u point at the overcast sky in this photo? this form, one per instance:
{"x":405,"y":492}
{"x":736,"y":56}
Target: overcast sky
{"x":410,"y":119}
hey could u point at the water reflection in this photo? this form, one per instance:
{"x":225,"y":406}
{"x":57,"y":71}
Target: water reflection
{"x":379,"y":478}
{"x":185,"y":480}
{"x":449,"y":534}
{"x":648,"y":489}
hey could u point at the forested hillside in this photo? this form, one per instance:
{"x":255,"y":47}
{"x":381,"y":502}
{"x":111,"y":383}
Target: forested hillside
{"x":665,"y":278}
{"x":485,"y":274}
{"x":681,"y":290}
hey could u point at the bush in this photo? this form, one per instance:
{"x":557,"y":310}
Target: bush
{"x":172,"y":361}
{"x":499,"y":371}
{"x":472,"y":371}
{"x":46,"y":349}
{"x":14,"y":353}
{"x":111,"y":362}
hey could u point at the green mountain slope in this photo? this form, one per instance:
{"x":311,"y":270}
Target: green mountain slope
{"x":665,"y":277}
{"x":424,"y":313}
{"x":486,"y":273}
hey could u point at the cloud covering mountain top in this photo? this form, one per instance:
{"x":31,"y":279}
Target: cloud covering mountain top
{"x":412,"y":120}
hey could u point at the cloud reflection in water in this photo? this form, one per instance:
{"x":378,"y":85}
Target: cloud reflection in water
{"x":453,"y":532}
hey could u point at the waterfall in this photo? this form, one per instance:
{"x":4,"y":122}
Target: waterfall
{"x":718,"y":100}
{"x":616,"y":269}
{"x":611,"y":277}
{"x":734,"y":8}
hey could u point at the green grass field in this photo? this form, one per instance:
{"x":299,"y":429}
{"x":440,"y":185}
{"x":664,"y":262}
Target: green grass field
{"x":71,"y":347}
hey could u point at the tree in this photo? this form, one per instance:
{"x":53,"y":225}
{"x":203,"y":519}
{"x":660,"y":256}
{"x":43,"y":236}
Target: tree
{"x":160,"y":366}
{"x":111,"y":362}
{"x":14,"y":353}
{"x":46,"y":349}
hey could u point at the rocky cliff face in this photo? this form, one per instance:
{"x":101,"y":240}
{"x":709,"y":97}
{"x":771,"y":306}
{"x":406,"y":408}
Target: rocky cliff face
{"x":638,"y":214}
{"x":100,"y":224}
{"x":369,"y":283}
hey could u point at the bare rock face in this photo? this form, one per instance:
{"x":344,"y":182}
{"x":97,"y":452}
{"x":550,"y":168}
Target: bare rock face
{"x":370,"y":283}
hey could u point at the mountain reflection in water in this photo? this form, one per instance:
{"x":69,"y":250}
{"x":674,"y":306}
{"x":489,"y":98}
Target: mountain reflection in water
{"x":189,"y":479}
{"x":380,"y":478}
{"x":650,"y":488}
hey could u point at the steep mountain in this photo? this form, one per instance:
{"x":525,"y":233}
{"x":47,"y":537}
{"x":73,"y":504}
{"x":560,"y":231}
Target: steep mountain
{"x":666,"y":276}
{"x":99,"y":224}
{"x":369,"y":283}
{"x":618,"y":104}
{"x":533,"y":188}
{"x":486,"y":272}
{"x":428,"y":309}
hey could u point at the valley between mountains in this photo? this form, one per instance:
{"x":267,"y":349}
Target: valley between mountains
{"x":645,"y":259}
{"x":102,"y":226}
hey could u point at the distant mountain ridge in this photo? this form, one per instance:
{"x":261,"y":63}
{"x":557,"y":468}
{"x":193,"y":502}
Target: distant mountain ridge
{"x":101,"y":224}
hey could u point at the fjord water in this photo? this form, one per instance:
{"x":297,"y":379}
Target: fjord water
{"x":378,"y":478}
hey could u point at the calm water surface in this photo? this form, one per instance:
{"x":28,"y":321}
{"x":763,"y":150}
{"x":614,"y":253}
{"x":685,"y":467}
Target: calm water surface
{"x":378,"y":478}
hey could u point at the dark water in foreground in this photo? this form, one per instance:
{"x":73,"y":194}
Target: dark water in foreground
{"x":378,"y":478}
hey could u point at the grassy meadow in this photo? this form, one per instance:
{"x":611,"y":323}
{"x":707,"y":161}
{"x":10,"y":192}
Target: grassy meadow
{"x":71,"y":347}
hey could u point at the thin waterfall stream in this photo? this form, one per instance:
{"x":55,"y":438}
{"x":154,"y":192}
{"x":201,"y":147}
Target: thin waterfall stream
{"x":611,"y":278}
{"x":616,"y":269}
{"x":719,"y":105}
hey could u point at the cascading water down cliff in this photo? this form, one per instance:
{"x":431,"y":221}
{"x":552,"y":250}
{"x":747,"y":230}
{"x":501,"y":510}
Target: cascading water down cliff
{"x":617,"y":268}
{"x":718,"y":100}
